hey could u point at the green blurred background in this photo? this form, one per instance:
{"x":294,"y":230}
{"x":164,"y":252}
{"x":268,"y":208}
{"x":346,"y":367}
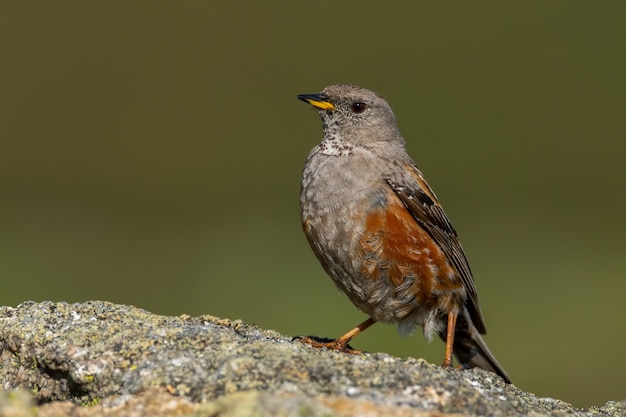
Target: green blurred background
{"x":150,"y":154}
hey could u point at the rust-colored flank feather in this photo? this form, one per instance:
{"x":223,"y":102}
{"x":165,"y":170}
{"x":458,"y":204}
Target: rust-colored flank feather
{"x":394,"y":244}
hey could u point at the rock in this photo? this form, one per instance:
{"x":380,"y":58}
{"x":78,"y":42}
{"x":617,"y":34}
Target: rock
{"x":17,"y":403}
{"x":98,"y":358}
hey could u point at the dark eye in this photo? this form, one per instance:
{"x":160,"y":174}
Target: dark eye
{"x":358,"y":107}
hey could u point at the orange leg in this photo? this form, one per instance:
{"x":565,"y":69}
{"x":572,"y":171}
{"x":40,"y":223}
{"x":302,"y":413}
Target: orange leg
{"x":447,"y":361}
{"x":340,"y":344}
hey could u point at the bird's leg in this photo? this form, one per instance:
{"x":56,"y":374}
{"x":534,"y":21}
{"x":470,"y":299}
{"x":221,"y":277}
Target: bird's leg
{"x":340,"y":344}
{"x":343,"y":340}
{"x":447,"y":361}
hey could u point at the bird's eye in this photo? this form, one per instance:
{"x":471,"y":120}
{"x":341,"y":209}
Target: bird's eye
{"x":358,"y":107}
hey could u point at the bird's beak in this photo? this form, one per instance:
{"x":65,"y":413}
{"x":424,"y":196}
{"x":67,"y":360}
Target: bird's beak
{"x":317,"y":100}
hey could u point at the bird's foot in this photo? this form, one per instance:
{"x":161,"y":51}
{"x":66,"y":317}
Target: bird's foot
{"x":338,"y":345}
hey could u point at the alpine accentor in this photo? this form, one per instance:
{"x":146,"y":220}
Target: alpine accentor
{"x":380,"y":233}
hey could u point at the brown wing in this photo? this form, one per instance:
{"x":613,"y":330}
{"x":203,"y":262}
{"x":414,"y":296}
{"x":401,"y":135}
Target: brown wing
{"x":422,"y":203}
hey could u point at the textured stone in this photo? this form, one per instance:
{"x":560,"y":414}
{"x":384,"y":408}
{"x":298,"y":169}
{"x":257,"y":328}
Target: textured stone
{"x":98,"y":358}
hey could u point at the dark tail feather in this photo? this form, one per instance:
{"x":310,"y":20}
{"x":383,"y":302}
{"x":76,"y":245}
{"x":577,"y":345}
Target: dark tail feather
{"x":470,"y":349}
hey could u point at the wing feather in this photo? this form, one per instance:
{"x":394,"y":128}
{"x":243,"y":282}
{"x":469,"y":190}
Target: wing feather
{"x":423,"y":205}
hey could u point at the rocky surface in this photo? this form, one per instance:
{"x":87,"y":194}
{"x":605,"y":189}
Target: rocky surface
{"x":98,"y":358}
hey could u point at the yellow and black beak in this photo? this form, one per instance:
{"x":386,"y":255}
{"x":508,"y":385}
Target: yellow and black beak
{"x":317,"y":100}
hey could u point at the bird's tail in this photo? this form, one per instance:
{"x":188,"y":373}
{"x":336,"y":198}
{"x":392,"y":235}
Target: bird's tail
{"x":470,"y":349}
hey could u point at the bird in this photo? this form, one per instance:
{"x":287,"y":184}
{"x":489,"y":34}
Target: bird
{"x":380,"y":233}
